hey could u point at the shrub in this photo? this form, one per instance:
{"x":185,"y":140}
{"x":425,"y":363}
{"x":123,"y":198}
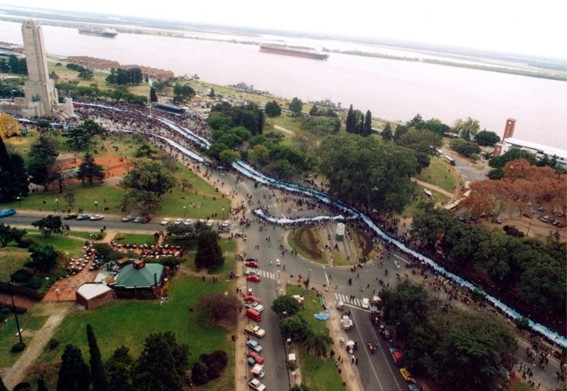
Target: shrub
{"x":200,"y":373}
{"x":215,"y":363}
{"x":35,"y":283}
{"x":26,"y":242}
{"x":17,"y":348}
{"x":53,"y":344}
{"x":24,"y":386}
{"x":21,"y":276}
{"x":119,"y":236}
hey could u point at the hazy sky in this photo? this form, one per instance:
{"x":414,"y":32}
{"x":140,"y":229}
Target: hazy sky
{"x":532,"y":27}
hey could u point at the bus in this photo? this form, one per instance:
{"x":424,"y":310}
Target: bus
{"x":169,"y":108}
{"x":449,"y":159}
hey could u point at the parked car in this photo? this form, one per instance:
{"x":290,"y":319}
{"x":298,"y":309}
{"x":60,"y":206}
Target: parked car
{"x":255,"y":306}
{"x":165,"y":221}
{"x":397,"y":356}
{"x":254,"y":345}
{"x":188,"y":222}
{"x":406,"y":374}
{"x":253,"y":278}
{"x":258,"y":371}
{"x":138,"y":219}
{"x":255,"y":330}
{"x":253,"y":264}
{"x":526,"y":214}
{"x":146,"y":219}
{"x":558,"y":224}
{"x":253,"y":298}
{"x":83,"y":216}
{"x":128,"y":218}
{"x":545,"y":218}
{"x":96,"y":217}
{"x":256,"y":385}
{"x":7,"y":212}
{"x":71,"y":216}
{"x":365,"y":303}
{"x":178,"y":221}
{"x":256,"y":357}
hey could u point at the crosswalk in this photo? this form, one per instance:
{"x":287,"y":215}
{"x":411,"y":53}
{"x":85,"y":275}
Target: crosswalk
{"x":261,"y":273}
{"x":348,"y":300}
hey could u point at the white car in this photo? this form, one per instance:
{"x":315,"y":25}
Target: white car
{"x":256,"y":384}
{"x":366,"y":303}
{"x":188,"y":222}
{"x":165,"y":221}
{"x":178,"y":221}
{"x":97,"y":217}
{"x":255,"y":306}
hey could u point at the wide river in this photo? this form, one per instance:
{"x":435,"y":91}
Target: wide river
{"x":391,"y":89}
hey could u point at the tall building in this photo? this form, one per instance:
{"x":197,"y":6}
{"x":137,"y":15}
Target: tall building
{"x":40,"y":94}
{"x":39,"y":89}
{"x":508,"y":133}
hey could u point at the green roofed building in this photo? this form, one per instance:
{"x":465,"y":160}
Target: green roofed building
{"x":140,"y":280}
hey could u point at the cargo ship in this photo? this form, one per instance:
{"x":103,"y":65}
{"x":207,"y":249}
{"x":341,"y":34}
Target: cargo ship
{"x":287,"y":51}
{"x":98,"y":31}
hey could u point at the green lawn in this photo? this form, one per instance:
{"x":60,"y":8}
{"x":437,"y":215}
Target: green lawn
{"x":129,"y":322}
{"x":11,"y":259}
{"x":30,"y":321}
{"x":72,"y":247}
{"x":291,"y":242}
{"x":137,"y":239}
{"x":438,"y":174}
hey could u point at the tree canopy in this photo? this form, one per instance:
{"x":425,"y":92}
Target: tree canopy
{"x":148,"y":181}
{"x":209,"y":253}
{"x":368,"y":173}
{"x":74,"y":372}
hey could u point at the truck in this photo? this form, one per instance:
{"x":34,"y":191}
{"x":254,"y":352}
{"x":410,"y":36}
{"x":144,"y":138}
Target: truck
{"x":346,"y":322}
{"x":255,"y":330}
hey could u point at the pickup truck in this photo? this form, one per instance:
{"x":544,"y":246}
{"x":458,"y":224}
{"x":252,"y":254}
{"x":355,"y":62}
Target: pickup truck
{"x":255,"y":330}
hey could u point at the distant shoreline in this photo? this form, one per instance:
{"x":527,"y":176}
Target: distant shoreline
{"x":514,"y":69}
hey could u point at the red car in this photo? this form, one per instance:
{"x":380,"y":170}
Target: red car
{"x":253,"y":264}
{"x":252,"y":298}
{"x":145,"y":219}
{"x":253,"y":278}
{"x":256,"y":357}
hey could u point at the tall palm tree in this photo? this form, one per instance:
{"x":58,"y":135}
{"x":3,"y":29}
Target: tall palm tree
{"x":318,"y":342}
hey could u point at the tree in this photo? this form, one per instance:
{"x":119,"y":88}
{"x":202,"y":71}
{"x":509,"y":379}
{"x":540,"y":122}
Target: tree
{"x":182,"y":92}
{"x":405,"y":307}
{"x":317,"y":342}
{"x":285,"y":304}
{"x":41,"y":386}
{"x":41,"y":163}
{"x":214,"y":362}
{"x":321,"y":125}
{"x":74,"y":372}
{"x":153,"y":95}
{"x":216,"y":308}
{"x":48,"y":225}
{"x":90,"y":171}
{"x":20,"y":183}
{"x":118,"y":370}
{"x":209,"y":253}
{"x":2,"y":385}
{"x":421,"y":142}
{"x":147,"y":182}
{"x":9,"y":126}
{"x":465,"y":148}
{"x":43,"y":257}
{"x":466,"y":129}
{"x":79,"y":138}
{"x":161,"y":364}
{"x":8,"y":234}
{"x":99,"y":380}
{"x":227,"y":157}
{"x":294,"y":327}
{"x":368,"y":173}
{"x":273,"y":109}
{"x":367,"y":128}
{"x":486,"y":138}
{"x":386,"y":133}
{"x":295,"y":106}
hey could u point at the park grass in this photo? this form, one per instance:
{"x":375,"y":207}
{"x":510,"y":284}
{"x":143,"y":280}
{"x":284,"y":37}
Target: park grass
{"x":137,"y":239}
{"x":287,"y":122}
{"x":318,"y":373}
{"x":129,"y":322}
{"x":21,"y":145}
{"x":71,"y":246}
{"x":12,"y":259}
{"x":341,"y":260}
{"x":438,"y":174}
{"x":32,"y":320}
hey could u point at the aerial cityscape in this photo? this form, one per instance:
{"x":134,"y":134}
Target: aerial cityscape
{"x":226,"y":204}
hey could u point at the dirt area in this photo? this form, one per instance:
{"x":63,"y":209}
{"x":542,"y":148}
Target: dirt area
{"x":114,"y":165}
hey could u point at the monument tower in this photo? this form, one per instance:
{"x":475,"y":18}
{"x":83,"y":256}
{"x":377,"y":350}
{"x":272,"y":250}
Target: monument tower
{"x":39,"y":89}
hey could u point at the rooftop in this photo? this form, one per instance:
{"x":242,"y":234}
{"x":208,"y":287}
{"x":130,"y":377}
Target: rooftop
{"x":89,"y":290}
{"x":139,"y":277}
{"x":550,"y":151}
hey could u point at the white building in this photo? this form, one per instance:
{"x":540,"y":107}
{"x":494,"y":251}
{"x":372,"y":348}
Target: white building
{"x":538,"y":150}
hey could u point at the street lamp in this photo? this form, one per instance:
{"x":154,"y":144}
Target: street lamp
{"x":96,"y":206}
{"x":308,"y":278}
{"x":19,"y":201}
{"x":184,"y":211}
{"x":57,"y":203}
{"x":11,"y":284}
